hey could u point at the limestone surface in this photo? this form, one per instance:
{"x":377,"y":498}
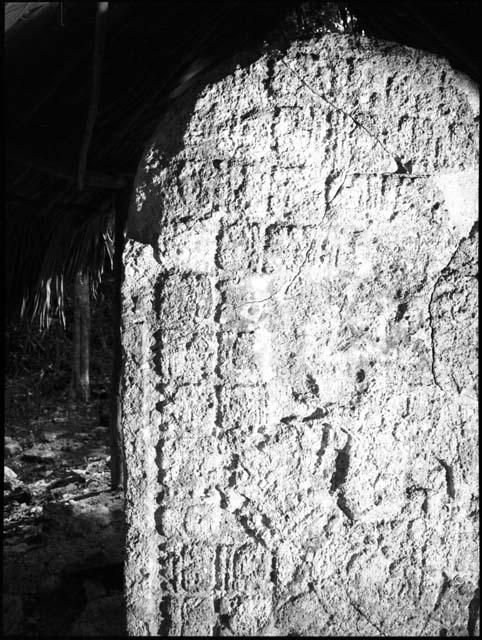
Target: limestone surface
{"x":300,"y":350}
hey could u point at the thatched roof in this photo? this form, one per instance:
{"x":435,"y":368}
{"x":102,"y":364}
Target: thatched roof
{"x":15,"y":11}
{"x":67,"y":157}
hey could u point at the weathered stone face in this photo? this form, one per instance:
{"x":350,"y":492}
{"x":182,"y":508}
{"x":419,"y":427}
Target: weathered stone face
{"x":300,"y":335}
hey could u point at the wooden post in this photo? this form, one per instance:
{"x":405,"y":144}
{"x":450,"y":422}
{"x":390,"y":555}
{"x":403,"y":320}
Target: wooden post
{"x":81,"y":345}
{"x":117,"y":446}
{"x":95,"y":91}
{"x":84,"y":300}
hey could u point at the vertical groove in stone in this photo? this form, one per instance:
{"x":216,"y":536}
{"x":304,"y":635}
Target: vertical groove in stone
{"x":141,"y":440}
{"x":218,"y":381}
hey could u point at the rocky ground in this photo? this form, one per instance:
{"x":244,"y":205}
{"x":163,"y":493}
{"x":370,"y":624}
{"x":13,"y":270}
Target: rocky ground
{"x":63,"y":527}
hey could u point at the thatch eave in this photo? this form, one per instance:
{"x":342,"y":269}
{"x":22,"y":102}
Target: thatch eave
{"x":148,"y":47}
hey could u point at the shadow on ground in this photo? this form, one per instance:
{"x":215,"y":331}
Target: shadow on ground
{"x":63,"y":528}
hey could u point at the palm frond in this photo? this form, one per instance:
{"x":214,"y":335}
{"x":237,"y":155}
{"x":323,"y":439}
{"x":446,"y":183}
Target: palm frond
{"x":45,"y":253}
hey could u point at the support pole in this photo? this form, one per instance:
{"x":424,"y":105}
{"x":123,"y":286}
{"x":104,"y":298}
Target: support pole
{"x":117,"y":443}
{"x":81,"y":345}
{"x":95,"y":92}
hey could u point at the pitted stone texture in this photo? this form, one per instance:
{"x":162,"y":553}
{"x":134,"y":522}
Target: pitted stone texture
{"x":300,"y":336}
{"x":141,"y":438}
{"x":454,"y":311}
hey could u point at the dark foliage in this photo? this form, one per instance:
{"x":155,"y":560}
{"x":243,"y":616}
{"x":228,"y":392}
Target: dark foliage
{"x":39,"y":360}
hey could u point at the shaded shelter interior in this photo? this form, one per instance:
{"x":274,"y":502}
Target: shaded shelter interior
{"x":151,"y":51}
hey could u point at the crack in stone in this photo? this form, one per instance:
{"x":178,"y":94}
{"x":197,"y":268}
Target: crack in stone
{"x":401,"y":168}
{"x":293,"y":598}
{"x":310,"y":249}
{"x":360,"y":612}
{"x":338,"y":189}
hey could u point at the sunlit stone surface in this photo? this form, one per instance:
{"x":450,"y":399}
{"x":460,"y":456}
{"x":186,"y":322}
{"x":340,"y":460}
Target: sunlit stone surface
{"x":300,"y":336}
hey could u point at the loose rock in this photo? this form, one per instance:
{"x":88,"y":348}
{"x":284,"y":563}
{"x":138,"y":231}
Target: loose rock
{"x":12,"y":448}
{"x":9,"y":475}
{"x":39,"y":455}
{"x":47,"y":436}
{"x":19,"y":494}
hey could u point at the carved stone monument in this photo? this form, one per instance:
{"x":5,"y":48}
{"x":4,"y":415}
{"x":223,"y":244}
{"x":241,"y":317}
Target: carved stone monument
{"x":300,"y":349}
